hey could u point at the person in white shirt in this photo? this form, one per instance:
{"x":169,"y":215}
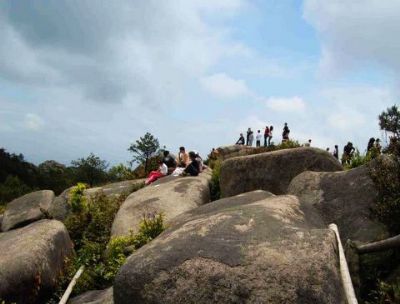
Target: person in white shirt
{"x":154,"y":175}
{"x":258,"y":139}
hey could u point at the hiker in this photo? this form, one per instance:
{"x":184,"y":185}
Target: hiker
{"x":371,"y":144}
{"x":271,"y":128}
{"x":285,"y":133}
{"x":214,"y":153}
{"x":154,"y":175}
{"x":251,"y":139}
{"x":193,"y":168}
{"x":183,"y":157}
{"x":378,"y":146}
{"x":169,"y":161}
{"x":199,"y":161}
{"x":248,"y":136}
{"x":327,"y":149}
{"x":266,"y":135}
{"x":336,"y":152}
{"x":258,"y":139}
{"x":348,"y":151}
{"x":308,"y":144}
{"x":240,"y":140}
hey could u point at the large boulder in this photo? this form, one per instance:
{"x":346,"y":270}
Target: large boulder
{"x":344,"y":198}
{"x":27,"y":209}
{"x":94,"y":297}
{"x":170,"y":196}
{"x":252,"y":248}
{"x":31,"y":260}
{"x":226,"y":152}
{"x":272,"y":171}
{"x":60,"y":208}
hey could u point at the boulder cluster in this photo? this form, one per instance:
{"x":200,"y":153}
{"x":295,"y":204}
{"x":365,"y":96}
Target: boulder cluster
{"x":265,"y":241}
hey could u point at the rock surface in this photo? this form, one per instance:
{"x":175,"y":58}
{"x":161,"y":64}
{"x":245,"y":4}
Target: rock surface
{"x":27,"y":209}
{"x":252,"y":248}
{"x":94,"y":297}
{"x":343,"y":198}
{"x":169,"y":195}
{"x":272,"y":171}
{"x":226,"y":152}
{"x":60,"y":207}
{"x":31,"y":260}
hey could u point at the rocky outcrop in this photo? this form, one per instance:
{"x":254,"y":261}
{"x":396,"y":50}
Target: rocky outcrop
{"x":27,"y":209}
{"x":115,"y":189}
{"x":169,"y":195}
{"x":272,"y":171}
{"x":344,"y":198}
{"x":60,"y":207}
{"x":226,"y":152}
{"x":251,"y":248}
{"x":94,"y":297}
{"x":31,"y":260}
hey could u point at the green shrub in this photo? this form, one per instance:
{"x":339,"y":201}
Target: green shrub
{"x":215,"y":190}
{"x":358,"y":160}
{"x":77,"y":198}
{"x":12,"y":188}
{"x":385,"y":293}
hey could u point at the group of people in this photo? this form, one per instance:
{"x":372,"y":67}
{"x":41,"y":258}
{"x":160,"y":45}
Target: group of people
{"x":185,"y":164}
{"x":259,"y":136}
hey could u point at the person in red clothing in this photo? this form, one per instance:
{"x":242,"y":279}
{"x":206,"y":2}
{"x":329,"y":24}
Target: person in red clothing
{"x":154,"y":175}
{"x":266,"y":135}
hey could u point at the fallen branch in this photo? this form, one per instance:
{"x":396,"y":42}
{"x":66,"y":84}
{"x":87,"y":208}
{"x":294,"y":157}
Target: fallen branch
{"x":390,"y":243}
{"x":71,"y":285}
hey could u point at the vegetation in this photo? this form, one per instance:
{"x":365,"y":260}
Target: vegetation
{"x":90,"y":170}
{"x":89,"y":226}
{"x":215,"y":190}
{"x":120,"y":172}
{"x":144,"y":148}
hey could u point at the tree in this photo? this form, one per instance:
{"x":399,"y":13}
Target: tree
{"x":389,"y":121}
{"x":54,"y":176}
{"x":91,"y":170}
{"x":143,"y":149}
{"x":120,"y":173}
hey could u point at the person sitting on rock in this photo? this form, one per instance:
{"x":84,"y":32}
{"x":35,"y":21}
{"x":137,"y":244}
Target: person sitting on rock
{"x":183,"y":157}
{"x":170,"y":161}
{"x":193,"y":168}
{"x":199,"y":161}
{"x":240,"y":140}
{"x":154,"y":175}
{"x":285,"y":133}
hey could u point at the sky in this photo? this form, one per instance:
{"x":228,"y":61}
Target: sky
{"x":80,"y":76}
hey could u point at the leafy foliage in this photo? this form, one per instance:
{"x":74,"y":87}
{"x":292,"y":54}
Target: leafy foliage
{"x":144,"y":148}
{"x":90,"y":229}
{"x":120,"y":172}
{"x":90,"y":170}
{"x":389,"y":121}
{"x":12,"y":188}
{"x":215,"y":190}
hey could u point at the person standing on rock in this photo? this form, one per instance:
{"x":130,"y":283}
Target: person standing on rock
{"x":308,"y":144}
{"x":266,"y":135}
{"x":348,"y":152}
{"x":248,"y":136}
{"x":258,"y":139}
{"x":271,"y":128}
{"x":251,"y":138}
{"x":371,"y":143}
{"x":336,"y":152}
{"x":183,"y":157}
{"x":285,"y":133}
{"x":240,"y":140}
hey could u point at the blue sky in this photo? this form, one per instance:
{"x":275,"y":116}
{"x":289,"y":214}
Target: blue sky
{"x":92,"y":76}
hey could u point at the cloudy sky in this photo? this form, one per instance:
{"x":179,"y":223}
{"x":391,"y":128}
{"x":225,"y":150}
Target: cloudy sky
{"x":80,"y":76}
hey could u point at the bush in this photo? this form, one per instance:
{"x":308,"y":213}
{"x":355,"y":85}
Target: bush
{"x":12,"y":188}
{"x":358,"y":160}
{"x":215,"y":190}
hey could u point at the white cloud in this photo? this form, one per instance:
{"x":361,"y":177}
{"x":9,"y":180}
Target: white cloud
{"x":286,"y":104}
{"x":33,"y":122}
{"x":223,"y":86}
{"x":356,"y":33}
